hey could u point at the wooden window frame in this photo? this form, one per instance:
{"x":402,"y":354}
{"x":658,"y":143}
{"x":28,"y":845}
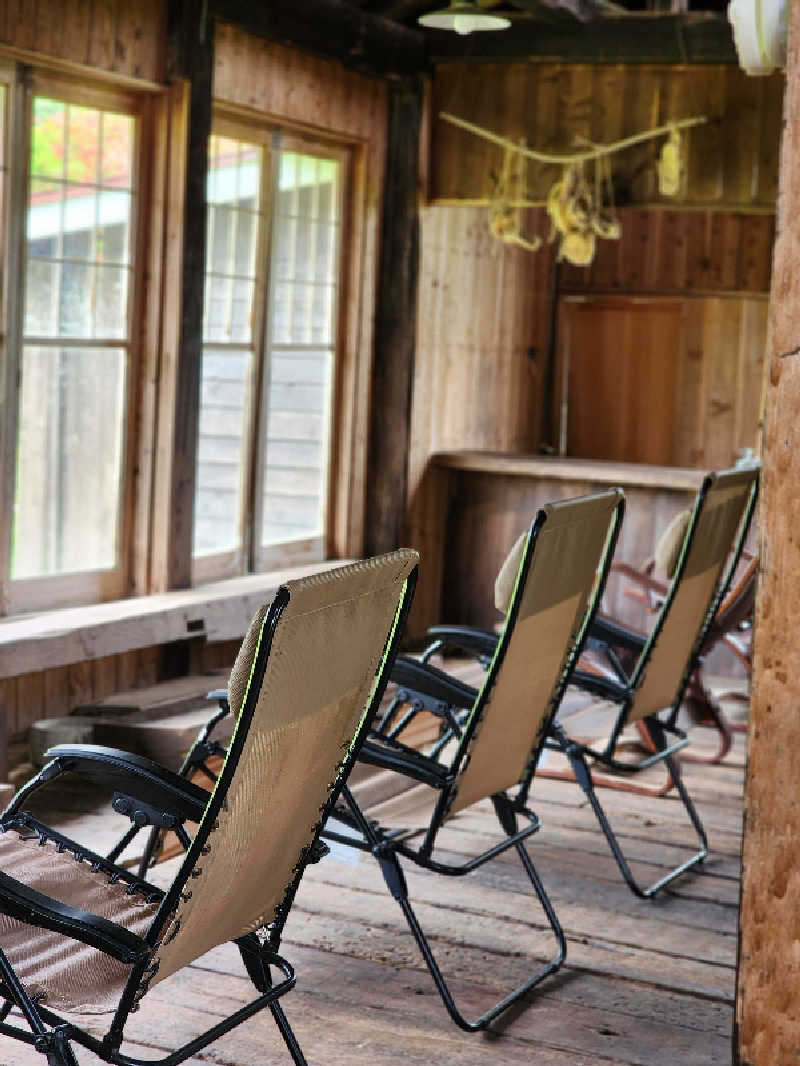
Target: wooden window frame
{"x":252,"y":557}
{"x":58,"y":590}
{"x":222,"y":565}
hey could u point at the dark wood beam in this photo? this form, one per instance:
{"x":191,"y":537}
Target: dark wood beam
{"x":395,"y":325}
{"x":190,"y":55}
{"x":332,"y":29}
{"x":628,"y":39}
{"x":583,"y":10}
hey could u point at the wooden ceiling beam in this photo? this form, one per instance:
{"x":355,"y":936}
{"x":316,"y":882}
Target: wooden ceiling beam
{"x":332,"y":29}
{"x":628,"y":39}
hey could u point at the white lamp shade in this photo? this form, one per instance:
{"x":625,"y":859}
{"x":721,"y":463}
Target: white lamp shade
{"x":464,"y":17}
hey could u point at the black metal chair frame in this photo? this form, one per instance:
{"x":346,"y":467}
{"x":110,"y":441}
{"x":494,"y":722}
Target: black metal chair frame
{"x":604,"y":636}
{"x":144,"y":784}
{"x":426,"y":688}
{"x":160,"y":822}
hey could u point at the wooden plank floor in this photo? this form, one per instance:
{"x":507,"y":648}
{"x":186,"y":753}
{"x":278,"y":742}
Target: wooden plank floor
{"x":646,"y":983}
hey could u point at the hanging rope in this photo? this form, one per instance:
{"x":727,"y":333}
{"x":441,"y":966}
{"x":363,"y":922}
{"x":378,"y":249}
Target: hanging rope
{"x":578,"y":213}
{"x":595,"y":152}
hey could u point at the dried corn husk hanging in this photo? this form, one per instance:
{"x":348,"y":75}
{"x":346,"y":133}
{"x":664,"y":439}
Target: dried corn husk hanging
{"x":570,"y":207}
{"x":504,"y":214}
{"x":580,"y":214}
{"x":670,"y":165}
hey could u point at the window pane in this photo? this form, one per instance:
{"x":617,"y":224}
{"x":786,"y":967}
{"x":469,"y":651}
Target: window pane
{"x":41,"y":298}
{"x":83,"y":144}
{"x":221,"y":451}
{"x":233,"y":191}
{"x":48,"y":138}
{"x":79,"y":220}
{"x":116,"y":159}
{"x":302,"y":331}
{"x":110,"y":302}
{"x":232,"y":229}
{"x":69,"y":461}
{"x":74,"y":319}
{"x":72,"y":412}
{"x":297,"y":445}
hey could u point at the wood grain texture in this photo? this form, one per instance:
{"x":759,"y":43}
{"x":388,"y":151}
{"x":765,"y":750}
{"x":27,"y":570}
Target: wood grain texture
{"x":123,"y":37}
{"x":730,"y":161}
{"x":660,"y":380}
{"x":667,"y":251}
{"x":198,"y":66}
{"x":767,"y":1024}
{"x":643,"y":985}
{"x":395,"y":327}
{"x":622,"y":380}
{"x":165,"y":365}
{"x":482,"y":336}
{"x":299,"y":88}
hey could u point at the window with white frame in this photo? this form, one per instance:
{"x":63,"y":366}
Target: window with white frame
{"x":271,"y":329}
{"x":70,"y":345}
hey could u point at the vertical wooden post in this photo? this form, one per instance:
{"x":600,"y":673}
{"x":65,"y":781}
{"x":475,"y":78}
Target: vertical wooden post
{"x":767,"y":1029}
{"x":190,"y":51}
{"x":395,"y":325}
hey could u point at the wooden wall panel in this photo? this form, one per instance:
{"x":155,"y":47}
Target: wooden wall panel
{"x":483,"y":313}
{"x":662,"y":251}
{"x":623,"y":374}
{"x":124,"y":37}
{"x":732,"y":160}
{"x":482,"y":335}
{"x":298,"y":88}
{"x":710,"y":409}
{"x":56,"y":692}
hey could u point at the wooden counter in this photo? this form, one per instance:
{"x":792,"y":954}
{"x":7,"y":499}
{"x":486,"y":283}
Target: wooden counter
{"x":472,"y":506}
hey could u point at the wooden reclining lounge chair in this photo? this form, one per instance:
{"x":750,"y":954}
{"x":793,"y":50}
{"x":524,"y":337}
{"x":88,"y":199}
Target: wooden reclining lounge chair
{"x":81,"y":934}
{"x":662,"y":662}
{"x":497,"y":732}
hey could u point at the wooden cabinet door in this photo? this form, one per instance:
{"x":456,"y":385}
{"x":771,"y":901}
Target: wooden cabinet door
{"x":620,"y":364}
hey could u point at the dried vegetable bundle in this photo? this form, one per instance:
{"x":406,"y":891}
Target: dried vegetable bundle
{"x":580,"y":212}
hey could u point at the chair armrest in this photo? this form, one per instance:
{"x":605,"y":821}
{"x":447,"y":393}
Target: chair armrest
{"x":610,"y":632}
{"x":429,"y":681}
{"x":642,"y":578}
{"x":135,"y":776}
{"x":27,"y":905}
{"x":404,"y":760}
{"x":465,"y":638}
{"x":599,"y":685}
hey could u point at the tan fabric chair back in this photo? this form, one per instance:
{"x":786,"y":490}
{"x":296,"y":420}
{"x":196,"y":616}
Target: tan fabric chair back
{"x":717,"y":520}
{"x":551,"y":608}
{"x":322,"y":665}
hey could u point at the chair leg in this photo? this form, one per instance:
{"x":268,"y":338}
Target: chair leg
{"x":61,"y":1054}
{"x":52,"y":1043}
{"x":396,"y":883}
{"x":583,"y":776}
{"x":288,"y":1034}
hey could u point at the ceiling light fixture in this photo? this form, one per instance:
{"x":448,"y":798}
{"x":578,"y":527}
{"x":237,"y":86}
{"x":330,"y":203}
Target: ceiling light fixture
{"x":463,"y":16}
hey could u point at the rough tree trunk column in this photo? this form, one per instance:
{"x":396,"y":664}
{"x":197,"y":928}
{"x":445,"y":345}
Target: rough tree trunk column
{"x":767,"y":1029}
